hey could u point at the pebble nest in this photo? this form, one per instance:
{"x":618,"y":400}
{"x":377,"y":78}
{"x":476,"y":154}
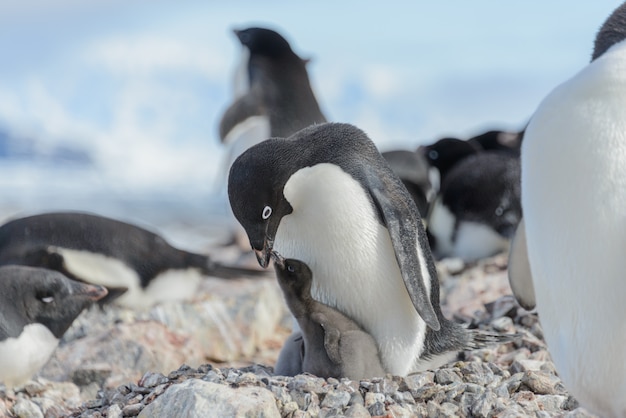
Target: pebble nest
{"x":515,"y":379}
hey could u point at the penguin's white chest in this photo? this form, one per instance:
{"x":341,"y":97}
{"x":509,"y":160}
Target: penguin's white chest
{"x":22,"y":357}
{"x":574,"y":201}
{"x":170,"y":285}
{"x":334,"y":229}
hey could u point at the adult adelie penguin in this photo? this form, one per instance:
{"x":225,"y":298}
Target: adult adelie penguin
{"x":574,"y":201}
{"x":37,"y":306}
{"x":273,"y":93}
{"x":130,"y":261}
{"x":327,"y":197}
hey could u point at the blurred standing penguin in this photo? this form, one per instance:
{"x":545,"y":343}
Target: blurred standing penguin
{"x":574,"y":201}
{"x":273,"y":95}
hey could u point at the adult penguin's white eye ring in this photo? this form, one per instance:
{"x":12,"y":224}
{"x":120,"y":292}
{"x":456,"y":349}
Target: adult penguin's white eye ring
{"x":267,"y":212}
{"x":47,"y":299}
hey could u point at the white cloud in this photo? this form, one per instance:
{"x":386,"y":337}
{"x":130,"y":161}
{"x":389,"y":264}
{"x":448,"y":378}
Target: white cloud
{"x":145,"y":55}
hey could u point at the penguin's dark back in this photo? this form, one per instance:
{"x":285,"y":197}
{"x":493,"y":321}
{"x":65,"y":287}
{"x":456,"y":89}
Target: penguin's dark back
{"x":486,"y":186}
{"x":141,"y":249}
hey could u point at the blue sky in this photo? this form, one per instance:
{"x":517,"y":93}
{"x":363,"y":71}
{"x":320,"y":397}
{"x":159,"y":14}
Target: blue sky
{"x":142,"y":84}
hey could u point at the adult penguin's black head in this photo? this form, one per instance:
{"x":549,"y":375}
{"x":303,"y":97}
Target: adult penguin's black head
{"x":255,"y":191}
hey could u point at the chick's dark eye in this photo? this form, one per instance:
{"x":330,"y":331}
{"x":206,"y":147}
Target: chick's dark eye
{"x":291,"y":269}
{"x":433,"y":154}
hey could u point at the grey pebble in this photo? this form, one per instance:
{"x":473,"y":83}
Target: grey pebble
{"x":132,"y":410}
{"x":357,"y":411}
{"x":447,"y":376}
{"x":337,"y":399}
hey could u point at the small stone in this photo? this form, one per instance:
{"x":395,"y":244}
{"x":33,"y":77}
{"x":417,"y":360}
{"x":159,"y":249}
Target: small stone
{"x":25,"y":408}
{"x":114,"y":411}
{"x":289,"y":408}
{"x":483,"y":405}
{"x":540,"y":383}
{"x":132,"y":410}
{"x":356,"y":399}
{"x":446,"y":376}
{"x":416,"y":381}
{"x":524,"y":365}
{"x":372,"y":398}
{"x":150,"y":380}
{"x":376,"y":409}
{"x":502,"y":324}
{"x":389,"y":387}
{"x":303,"y":399}
{"x":329,"y":413}
{"x":357,"y":411}
{"x":551,"y":403}
{"x":526,"y":400}
{"x":454,"y":391}
{"x":397,"y":411}
{"x":337,"y":399}
{"x":93,"y":373}
{"x":247,"y":379}
{"x":426,"y":393}
{"x":404,"y":398}
{"x":34,"y":388}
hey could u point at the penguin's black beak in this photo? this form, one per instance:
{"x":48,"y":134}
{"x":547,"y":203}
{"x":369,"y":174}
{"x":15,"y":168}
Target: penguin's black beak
{"x":263,"y":251}
{"x":90,"y":291}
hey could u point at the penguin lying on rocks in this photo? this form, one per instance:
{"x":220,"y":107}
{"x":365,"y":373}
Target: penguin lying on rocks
{"x":138,"y":267}
{"x":37,"y":306}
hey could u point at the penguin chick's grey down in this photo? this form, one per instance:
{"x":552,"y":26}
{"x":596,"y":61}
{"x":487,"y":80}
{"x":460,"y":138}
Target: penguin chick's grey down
{"x":334,"y":345}
{"x":130,"y":261}
{"x":327,"y":197}
{"x":37,"y":306}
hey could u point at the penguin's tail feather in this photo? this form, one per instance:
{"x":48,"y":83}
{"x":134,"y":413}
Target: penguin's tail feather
{"x":481,"y":339}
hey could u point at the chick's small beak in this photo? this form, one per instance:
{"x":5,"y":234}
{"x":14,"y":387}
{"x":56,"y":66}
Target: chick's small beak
{"x":279,"y":260}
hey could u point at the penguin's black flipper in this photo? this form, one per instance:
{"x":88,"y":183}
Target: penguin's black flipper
{"x":243,"y":108}
{"x":406,"y":232}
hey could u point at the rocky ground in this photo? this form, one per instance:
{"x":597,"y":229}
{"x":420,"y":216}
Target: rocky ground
{"x":213,"y":357}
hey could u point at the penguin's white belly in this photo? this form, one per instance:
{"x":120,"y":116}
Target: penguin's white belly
{"x":245,"y":134}
{"x":574,"y":200}
{"x":333,"y":228}
{"x":467,"y":240}
{"x":171,"y":285}
{"x":22,"y":357}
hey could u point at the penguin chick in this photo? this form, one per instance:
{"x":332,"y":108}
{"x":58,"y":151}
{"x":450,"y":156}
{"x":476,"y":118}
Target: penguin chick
{"x":334,"y":345}
{"x":37,"y":306}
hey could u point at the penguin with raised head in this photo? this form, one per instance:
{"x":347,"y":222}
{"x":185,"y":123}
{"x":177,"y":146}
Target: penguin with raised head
{"x":445,"y":153}
{"x":333,"y":344}
{"x":273,"y":93}
{"x":495,"y":140}
{"x":574,"y":201}
{"x":327,"y":197}
{"x":138,"y":267}
{"x":37,"y":306}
